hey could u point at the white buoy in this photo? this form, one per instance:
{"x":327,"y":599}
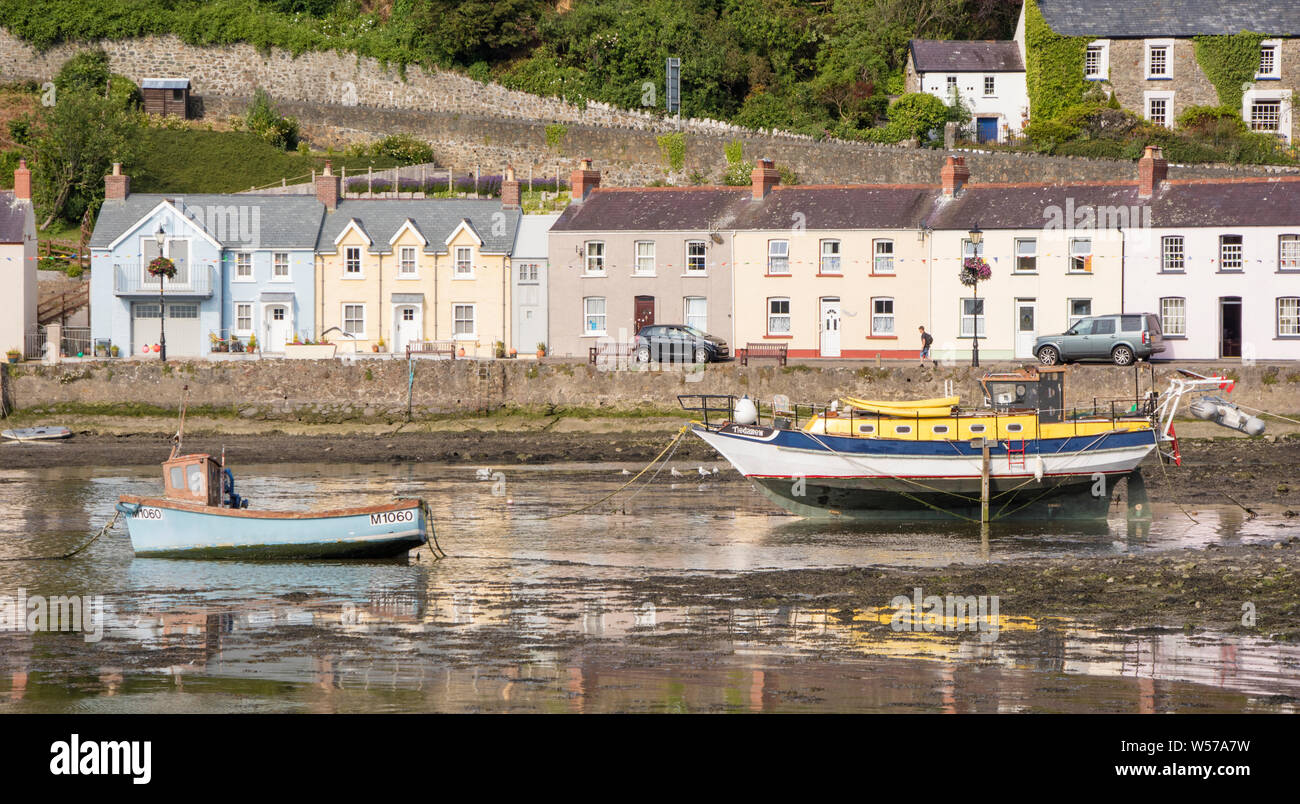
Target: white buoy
{"x":746,"y":411}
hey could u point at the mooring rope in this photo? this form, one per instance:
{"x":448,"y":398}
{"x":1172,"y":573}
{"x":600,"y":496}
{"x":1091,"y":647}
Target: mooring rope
{"x":671,"y":445}
{"x":431,"y":533}
{"x":71,"y":553}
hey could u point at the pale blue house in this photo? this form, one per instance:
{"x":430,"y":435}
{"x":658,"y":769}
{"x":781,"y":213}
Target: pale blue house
{"x":244,"y":268}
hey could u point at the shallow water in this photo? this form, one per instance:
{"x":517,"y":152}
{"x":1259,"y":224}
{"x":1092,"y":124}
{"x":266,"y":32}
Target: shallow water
{"x":529,"y":615}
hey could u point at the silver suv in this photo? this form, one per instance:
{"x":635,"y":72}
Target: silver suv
{"x":1120,"y":339}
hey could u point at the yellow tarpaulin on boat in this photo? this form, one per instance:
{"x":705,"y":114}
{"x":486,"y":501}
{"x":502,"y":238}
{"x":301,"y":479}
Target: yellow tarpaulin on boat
{"x":924,"y":408}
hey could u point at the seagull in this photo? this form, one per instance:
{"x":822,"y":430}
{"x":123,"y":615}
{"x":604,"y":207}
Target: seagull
{"x":702,"y":471}
{"x":626,"y":472}
{"x":673,"y":471}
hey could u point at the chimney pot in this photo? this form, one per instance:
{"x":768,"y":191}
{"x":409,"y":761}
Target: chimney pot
{"x":1152,"y":170}
{"x":510,"y":189}
{"x":117,"y":185}
{"x":764,"y":178}
{"x":954,"y":175}
{"x":583,"y":181}
{"x":22,"y":181}
{"x":328,"y":187}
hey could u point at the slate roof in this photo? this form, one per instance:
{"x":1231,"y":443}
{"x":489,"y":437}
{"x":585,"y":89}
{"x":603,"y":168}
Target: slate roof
{"x":637,"y":209}
{"x":436,"y":218}
{"x":1150,"y":18}
{"x":965,"y":56}
{"x":282,"y":221}
{"x":13,"y":216}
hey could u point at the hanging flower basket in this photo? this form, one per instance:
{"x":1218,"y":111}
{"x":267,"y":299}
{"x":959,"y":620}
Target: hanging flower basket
{"x":162,"y":266}
{"x":974,"y":270}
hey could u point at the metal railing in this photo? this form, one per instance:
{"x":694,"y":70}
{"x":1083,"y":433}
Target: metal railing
{"x":76,"y":342}
{"x":34,"y":343}
{"x":132,"y":278}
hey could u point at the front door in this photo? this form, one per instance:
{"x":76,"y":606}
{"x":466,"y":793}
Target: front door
{"x":830,"y":337}
{"x":1026,"y":327}
{"x":645,"y":312}
{"x":986,"y":129}
{"x":1230,"y":326}
{"x":278,"y":328}
{"x":406,"y":327}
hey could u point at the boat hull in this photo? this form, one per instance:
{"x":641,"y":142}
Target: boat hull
{"x":163,"y":528}
{"x":833,"y":476}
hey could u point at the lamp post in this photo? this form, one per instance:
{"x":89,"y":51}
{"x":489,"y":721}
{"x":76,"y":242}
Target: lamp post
{"x":976,"y":236}
{"x":160,"y":237}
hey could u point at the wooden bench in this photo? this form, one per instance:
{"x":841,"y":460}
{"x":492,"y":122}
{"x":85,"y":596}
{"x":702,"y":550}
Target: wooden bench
{"x":434,"y":348}
{"x":779,"y":351}
{"x":603,"y":353}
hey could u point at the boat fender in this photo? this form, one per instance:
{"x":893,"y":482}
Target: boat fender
{"x":1038,"y":468}
{"x":746,"y":411}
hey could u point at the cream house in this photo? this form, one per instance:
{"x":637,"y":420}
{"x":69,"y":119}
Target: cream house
{"x":17,"y":261}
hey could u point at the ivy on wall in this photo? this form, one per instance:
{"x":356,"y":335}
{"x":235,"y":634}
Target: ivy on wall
{"x":673,"y":148}
{"x":1053,"y":66}
{"x":1229,"y":62}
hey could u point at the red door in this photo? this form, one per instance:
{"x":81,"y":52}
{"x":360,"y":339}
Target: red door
{"x":645,"y":311}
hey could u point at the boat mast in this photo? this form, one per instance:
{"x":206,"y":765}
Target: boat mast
{"x":180,"y":431}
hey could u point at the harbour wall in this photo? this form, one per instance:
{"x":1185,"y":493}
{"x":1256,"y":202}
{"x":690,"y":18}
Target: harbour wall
{"x":376,"y":389}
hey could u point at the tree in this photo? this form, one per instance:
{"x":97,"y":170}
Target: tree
{"x":76,"y":141}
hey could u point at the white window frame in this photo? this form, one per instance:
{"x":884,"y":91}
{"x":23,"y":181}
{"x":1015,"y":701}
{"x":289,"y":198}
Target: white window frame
{"x":247,"y":309}
{"x":1167,"y":97}
{"x":694,"y":320}
{"x":639,"y":259}
{"x":1018,"y":256}
{"x":360,"y":273}
{"x":247,"y":260}
{"x":1292,"y":319}
{"x":1286,"y":108}
{"x":361,"y":306}
{"x":1170,"y":262}
{"x":456,"y":318}
{"x":969,"y":249}
{"x":1237,"y":249}
{"x":1173,"y":317}
{"x":786,"y":316}
{"x":1102,"y":48}
{"x":1151,"y":45}
{"x":1275,"y":47}
{"x":588,"y":316}
{"x":278,"y":259}
{"x":883,"y":324}
{"x":830,"y":263}
{"x":702,"y":258}
{"x":462,"y":266}
{"x":529,"y":272}
{"x":1288,"y":263}
{"x":990,"y":86}
{"x":978,"y":316}
{"x":402,"y":262}
{"x":593,"y":253}
{"x":950,"y":84}
{"x":1076,"y":252}
{"x":1071,"y":318}
{"x":883,"y":257}
{"x":778,"y":253}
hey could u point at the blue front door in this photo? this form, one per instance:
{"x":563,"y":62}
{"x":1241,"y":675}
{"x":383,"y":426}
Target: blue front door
{"x":986,"y":129}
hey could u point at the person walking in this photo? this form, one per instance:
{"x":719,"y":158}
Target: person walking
{"x":926,"y":340}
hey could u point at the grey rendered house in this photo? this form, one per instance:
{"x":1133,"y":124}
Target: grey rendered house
{"x":529,"y":261}
{"x":624,"y":258}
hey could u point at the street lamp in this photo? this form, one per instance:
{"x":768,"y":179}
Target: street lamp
{"x":976,"y":236}
{"x":160,"y":237}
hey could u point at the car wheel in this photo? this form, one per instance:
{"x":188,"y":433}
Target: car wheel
{"x":1122,"y":355}
{"x":1048,"y":356}
{"x":701,"y":354}
{"x":643,"y":354}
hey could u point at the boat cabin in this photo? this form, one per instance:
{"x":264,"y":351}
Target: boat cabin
{"x":1029,"y":388}
{"x":193,"y":479}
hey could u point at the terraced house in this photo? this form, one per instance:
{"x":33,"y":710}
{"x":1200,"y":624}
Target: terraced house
{"x":17,"y":261}
{"x":243,"y":271}
{"x":1155,"y":57}
{"x":390,"y":272}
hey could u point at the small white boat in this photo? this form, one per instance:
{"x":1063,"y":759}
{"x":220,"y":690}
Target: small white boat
{"x":36,"y":433}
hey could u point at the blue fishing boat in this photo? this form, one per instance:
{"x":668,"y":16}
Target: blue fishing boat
{"x":201,"y":516}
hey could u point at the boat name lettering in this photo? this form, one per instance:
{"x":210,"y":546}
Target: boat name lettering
{"x":756,"y":432}
{"x":393,"y":517}
{"x":149,"y":513}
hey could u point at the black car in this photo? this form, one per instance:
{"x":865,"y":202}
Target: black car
{"x":675,"y":343}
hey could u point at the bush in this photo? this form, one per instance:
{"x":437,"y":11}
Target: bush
{"x":264,"y":120}
{"x":916,"y":115}
{"x":406,"y":149}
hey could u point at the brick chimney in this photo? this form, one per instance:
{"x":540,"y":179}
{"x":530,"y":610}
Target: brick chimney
{"x":510,"y":189}
{"x":327,"y":187}
{"x":22,"y":181}
{"x":1152,"y":169}
{"x":954,"y":175}
{"x":583,"y":181}
{"x":764,"y":178}
{"x":116,"y":185}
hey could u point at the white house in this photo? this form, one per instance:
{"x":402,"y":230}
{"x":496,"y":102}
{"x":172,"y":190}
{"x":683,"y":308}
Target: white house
{"x":528,"y":294}
{"x":988,"y":77}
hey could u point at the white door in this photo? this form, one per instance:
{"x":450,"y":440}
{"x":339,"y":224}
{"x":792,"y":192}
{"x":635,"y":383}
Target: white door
{"x":830,"y":344}
{"x":279,"y":328}
{"x":406,"y":327}
{"x":1026,"y":327}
